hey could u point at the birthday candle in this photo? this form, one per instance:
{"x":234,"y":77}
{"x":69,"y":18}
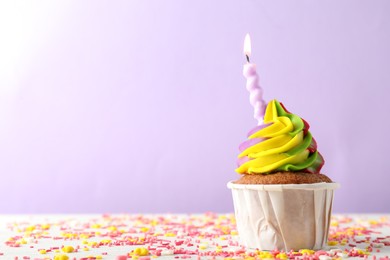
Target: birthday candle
{"x":252,"y":84}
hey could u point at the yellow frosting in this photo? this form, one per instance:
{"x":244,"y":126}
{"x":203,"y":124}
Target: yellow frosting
{"x":285,"y":145}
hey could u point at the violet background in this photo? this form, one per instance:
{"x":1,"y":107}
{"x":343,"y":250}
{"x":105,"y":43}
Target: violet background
{"x":139,"y":106}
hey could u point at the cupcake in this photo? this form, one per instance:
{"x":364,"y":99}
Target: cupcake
{"x":282,"y":200}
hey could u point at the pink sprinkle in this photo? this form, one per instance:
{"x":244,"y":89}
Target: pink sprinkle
{"x":121,"y":257}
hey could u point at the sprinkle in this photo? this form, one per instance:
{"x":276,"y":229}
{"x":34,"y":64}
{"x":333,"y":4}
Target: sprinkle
{"x":61,"y":257}
{"x":68,"y":249}
{"x":206,"y":236}
{"x":307,"y":252}
{"x":282,"y":256}
{"x":203,"y":246}
{"x":96,"y":226}
{"x":342,"y":255}
{"x":166,"y":252}
{"x":141,"y":251}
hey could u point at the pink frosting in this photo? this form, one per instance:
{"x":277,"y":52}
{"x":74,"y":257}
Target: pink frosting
{"x":249,"y":143}
{"x":242,"y":160}
{"x":257,"y":128}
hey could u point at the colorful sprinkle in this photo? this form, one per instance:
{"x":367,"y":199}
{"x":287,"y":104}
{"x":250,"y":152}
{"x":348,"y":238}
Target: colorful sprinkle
{"x":206,"y":236}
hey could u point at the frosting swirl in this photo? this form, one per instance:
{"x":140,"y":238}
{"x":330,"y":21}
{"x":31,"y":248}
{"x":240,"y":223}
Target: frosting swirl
{"x":282,"y":143}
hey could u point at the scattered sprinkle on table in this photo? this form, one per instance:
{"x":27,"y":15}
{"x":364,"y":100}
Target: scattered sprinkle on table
{"x":170,"y":236}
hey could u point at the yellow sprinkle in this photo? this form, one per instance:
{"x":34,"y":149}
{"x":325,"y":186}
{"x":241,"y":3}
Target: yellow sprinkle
{"x":42,"y":251}
{"x":85,"y":236}
{"x":61,"y":257}
{"x":86,"y":249}
{"x":282,"y":256}
{"x":96,"y":226}
{"x":22,"y":241}
{"x":203,"y":246}
{"x":170,"y":235}
{"x":84,"y":242}
{"x":222,"y":238}
{"x":332,"y":243}
{"x":361,"y":252}
{"x":98,"y":257}
{"x":144,"y":229}
{"x":373,"y":222}
{"x":30,"y":228}
{"x":263,"y":254}
{"x":68,"y":249}
{"x":307,"y":252}
{"x":45,"y":226}
{"x":234,"y":233}
{"x":93,"y":243}
{"x":141,"y":251}
{"x":334,"y":224}
{"x":112,"y":228}
{"x":105,"y":241}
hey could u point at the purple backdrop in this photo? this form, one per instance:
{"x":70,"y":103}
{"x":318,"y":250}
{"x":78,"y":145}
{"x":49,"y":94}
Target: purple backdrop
{"x":139,"y":106}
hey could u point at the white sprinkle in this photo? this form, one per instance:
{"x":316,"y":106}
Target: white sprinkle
{"x":167,"y":252}
{"x":386,"y":240}
{"x":335,"y":250}
{"x":360,"y":238}
{"x":378,"y":245}
{"x":342,"y":255}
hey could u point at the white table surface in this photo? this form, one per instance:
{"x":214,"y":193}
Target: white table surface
{"x":23,"y":236}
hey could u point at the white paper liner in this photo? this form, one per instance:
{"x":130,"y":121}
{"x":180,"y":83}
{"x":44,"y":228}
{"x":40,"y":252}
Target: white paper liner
{"x":290,"y":216}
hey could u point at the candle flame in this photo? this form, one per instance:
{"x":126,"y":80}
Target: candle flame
{"x":247,"y":45}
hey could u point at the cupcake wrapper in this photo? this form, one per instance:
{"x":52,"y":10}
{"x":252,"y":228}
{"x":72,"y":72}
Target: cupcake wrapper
{"x":284,"y":217}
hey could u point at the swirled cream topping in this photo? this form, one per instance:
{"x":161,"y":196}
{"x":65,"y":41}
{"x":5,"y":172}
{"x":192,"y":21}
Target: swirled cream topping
{"x":282,"y":143}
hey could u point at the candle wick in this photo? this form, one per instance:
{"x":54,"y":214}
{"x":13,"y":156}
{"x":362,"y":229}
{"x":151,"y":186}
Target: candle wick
{"x":247,"y":58}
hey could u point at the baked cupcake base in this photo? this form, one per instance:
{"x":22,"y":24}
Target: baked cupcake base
{"x":283,"y":178}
